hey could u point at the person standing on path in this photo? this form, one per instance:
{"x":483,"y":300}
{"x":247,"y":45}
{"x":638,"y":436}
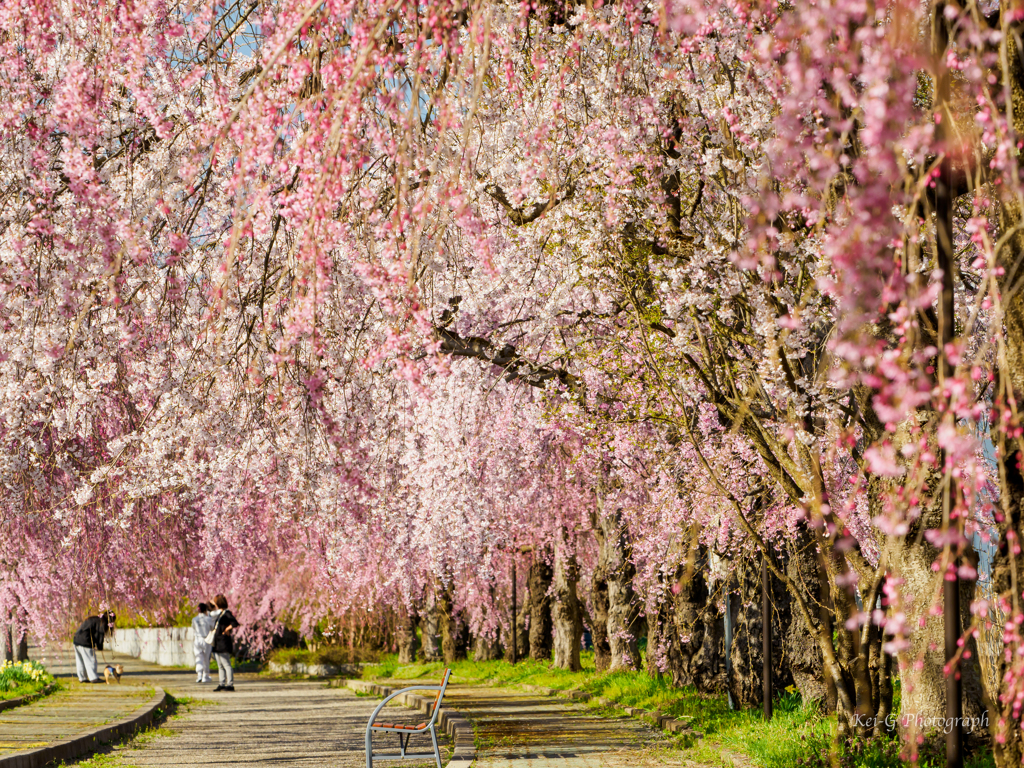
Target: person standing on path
{"x":201,"y":626}
{"x":88,"y":640}
{"x":223,"y":643}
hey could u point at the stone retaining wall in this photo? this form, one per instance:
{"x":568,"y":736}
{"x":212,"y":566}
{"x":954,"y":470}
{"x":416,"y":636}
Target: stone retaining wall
{"x":166,"y":646}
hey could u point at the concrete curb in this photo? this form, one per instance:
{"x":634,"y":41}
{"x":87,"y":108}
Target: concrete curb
{"x":69,"y":749}
{"x":680,"y":725}
{"x":12,"y":703}
{"x":455,"y":725}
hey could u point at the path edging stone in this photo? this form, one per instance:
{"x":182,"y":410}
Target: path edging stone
{"x":80,"y":744}
{"x":46,"y":690}
{"x":458,"y":728}
{"x":680,"y":725}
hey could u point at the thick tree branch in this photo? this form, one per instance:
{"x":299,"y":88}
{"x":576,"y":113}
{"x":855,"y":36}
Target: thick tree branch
{"x":515,"y":366}
{"x":526,"y":214}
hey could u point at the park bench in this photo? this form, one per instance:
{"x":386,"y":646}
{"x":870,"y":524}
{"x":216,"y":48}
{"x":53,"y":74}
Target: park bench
{"x":405,"y":732}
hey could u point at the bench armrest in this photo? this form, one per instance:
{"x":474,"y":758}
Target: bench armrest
{"x":399,"y":693}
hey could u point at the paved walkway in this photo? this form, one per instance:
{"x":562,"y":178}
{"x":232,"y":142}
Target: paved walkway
{"x":66,"y":713}
{"x":305,"y":723}
{"x":523,"y":730}
{"x":264,"y":722}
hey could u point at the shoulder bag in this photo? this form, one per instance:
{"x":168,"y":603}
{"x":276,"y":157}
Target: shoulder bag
{"x":213,"y":632}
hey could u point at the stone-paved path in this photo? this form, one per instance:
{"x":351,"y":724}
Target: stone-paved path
{"x":522,"y":730}
{"x":65,"y":713}
{"x":304,"y":723}
{"x":264,"y":722}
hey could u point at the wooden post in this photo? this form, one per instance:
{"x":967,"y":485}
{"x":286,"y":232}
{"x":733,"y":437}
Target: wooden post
{"x":728,"y":644}
{"x":825,"y":617}
{"x":766,"y":638}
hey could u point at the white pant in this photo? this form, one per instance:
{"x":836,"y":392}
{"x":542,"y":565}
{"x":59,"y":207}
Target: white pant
{"x":85,"y":664}
{"x":202,"y":651}
{"x":224,"y":671}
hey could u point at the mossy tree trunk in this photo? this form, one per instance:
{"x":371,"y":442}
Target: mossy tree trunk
{"x":540,"y":606}
{"x":566,"y":611}
{"x":405,"y":634}
{"x":522,"y":630}
{"x":430,"y":630}
{"x":746,"y":678}
{"x":1008,"y":562}
{"x":686,"y":637}
{"x":599,"y":621}
{"x":618,"y":571}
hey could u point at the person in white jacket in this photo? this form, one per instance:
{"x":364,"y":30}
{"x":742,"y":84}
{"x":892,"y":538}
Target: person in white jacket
{"x":201,"y":626}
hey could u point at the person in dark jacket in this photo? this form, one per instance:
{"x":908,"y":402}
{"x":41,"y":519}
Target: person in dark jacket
{"x":88,"y":640}
{"x":223,"y":643}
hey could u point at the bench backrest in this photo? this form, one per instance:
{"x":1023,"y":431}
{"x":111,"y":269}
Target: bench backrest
{"x":440,"y":693}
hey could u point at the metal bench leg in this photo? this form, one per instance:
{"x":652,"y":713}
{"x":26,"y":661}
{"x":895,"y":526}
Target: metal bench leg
{"x":403,"y":745}
{"x":369,"y":748}
{"x":437,"y":752}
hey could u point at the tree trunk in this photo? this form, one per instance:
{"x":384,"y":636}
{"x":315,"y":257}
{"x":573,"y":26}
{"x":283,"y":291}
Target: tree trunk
{"x":923,"y":698}
{"x":599,"y":623}
{"x":486,"y":649}
{"x":1008,"y":564}
{"x":521,"y":629}
{"x":663,"y":656}
{"x":405,"y":633}
{"x":540,"y":607}
{"x":1007,"y":567}
{"x":454,"y":638}
{"x":446,"y":626}
{"x":462,"y":639}
{"x":566,"y":612}
{"x":618,"y":572}
{"x":797,"y":643}
{"x":746,"y":680}
{"x":825,"y":612}
{"x":430,"y":631}
{"x":922,"y":666}
{"x":23,"y":648}
{"x":686,"y":638}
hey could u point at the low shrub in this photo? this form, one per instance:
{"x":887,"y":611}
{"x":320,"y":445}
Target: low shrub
{"x":22,"y":678}
{"x":884,"y":752}
{"x":334,"y":655}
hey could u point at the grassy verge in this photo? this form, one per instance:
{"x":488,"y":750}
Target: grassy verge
{"x":797,"y":734}
{"x":634,"y":689}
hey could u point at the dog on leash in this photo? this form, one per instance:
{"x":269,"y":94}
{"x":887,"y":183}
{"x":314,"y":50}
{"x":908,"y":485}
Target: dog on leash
{"x":113,"y":672}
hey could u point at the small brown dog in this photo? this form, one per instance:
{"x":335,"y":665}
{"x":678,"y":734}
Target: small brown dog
{"x":113,"y":672}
